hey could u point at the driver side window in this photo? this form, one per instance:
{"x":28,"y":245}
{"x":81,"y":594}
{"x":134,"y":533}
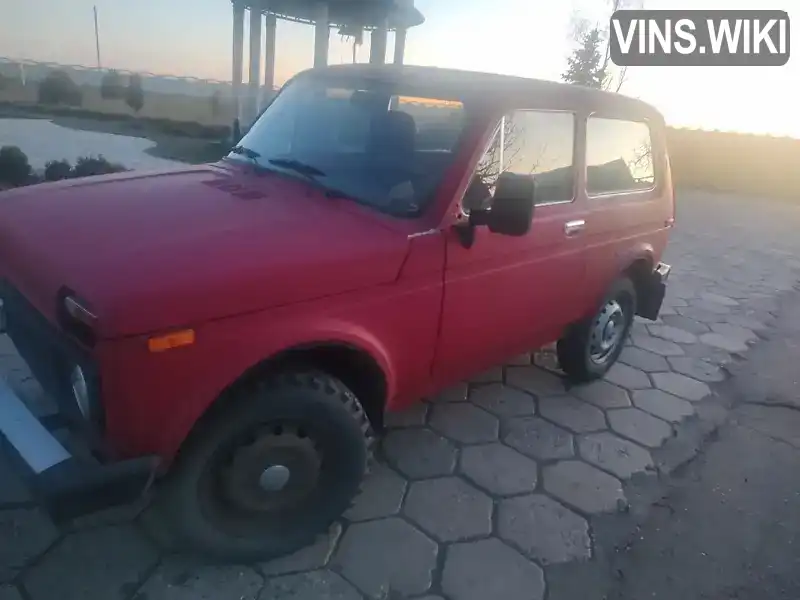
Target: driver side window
{"x":531,"y":142}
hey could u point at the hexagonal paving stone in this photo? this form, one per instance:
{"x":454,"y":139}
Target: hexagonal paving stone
{"x":713,"y":307}
{"x":25,"y":534}
{"x":724,"y":342}
{"x":503,"y":401}
{"x":699,"y":314}
{"x":9,"y":593}
{"x":710,"y":354}
{"x":628,"y":377}
{"x":118,"y":556}
{"x":584,"y":487}
{"x":544,"y":529}
{"x":643,"y":359}
{"x":745,"y":321}
{"x":12,"y":489}
{"x":414,"y":415}
{"x":663,"y":405}
{"x":615,"y":455}
{"x":449,"y":509}
{"x":419,"y":453}
{"x":381,"y":495}
{"x":603,"y":395}
{"x":181,"y":580}
{"x":673,"y":334}
{"x":457,"y":393}
{"x":572,"y":413}
{"x":534,"y":380}
{"x":493,"y":375}
{"x":315,"y":584}
{"x":697,"y":369}
{"x":465,"y":423}
{"x":315,"y":556}
{"x":383,"y":556}
{"x":498,"y":469}
{"x":656,"y":345}
{"x":718,"y":299}
{"x":490,"y":569}
{"x":537,"y":438}
{"x":681,"y":386}
{"x":639,"y":426}
{"x":686,"y":324}
{"x":735,"y":331}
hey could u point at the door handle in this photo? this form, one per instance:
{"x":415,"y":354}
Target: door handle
{"x":574,"y":227}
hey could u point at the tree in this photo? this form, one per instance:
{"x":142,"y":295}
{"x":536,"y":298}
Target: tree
{"x":582,"y":67}
{"x":112,"y":86}
{"x":134,"y":94}
{"x":14,"y":166}
{"x":585,"y":66}
{"x":58,"y":88}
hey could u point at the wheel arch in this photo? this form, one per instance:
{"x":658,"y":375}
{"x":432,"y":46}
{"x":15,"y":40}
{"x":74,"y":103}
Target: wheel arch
{"x":353,"y":365}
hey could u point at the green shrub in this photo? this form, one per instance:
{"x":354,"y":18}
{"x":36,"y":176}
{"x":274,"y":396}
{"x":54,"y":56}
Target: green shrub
{"x":112,"y":86}
{"x":14,"y":166}
{"x":134,"y":94}
{"x":86,"y":166}
{"x":58,"y":88}
{"x":56,"y":170}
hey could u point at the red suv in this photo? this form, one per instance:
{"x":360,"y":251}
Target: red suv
{"x":380,"y":233}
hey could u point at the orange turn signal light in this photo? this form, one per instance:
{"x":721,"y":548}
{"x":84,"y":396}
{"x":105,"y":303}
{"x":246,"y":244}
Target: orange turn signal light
{"x":176,"y":339}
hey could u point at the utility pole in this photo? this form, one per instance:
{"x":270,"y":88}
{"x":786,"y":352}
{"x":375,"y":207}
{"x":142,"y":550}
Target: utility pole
{"x":97,"y":39}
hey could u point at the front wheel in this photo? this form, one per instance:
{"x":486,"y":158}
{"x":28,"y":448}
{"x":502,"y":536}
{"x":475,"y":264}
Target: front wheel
{"x":590,"y":348}
{"x":272,"y":470}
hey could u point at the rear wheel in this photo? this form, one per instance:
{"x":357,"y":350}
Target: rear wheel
{"x":590,"y":348}
{"x":272,"y":471}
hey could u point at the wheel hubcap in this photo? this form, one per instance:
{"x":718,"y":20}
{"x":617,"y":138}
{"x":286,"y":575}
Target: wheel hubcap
{"x":275,"y":471}
{"x":607,"y":332}
{"x":274,"y":478}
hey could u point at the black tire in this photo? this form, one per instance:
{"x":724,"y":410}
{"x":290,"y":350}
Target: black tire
{"x":230,"y":450}
{"x":574,"y":350}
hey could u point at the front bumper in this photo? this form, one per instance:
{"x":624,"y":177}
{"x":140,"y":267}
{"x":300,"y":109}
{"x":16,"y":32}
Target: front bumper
{"x":651,"y":294}
{"x":68,"y":484}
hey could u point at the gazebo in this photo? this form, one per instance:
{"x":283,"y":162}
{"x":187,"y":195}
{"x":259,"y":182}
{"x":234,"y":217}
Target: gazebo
{"x":350,"y":17}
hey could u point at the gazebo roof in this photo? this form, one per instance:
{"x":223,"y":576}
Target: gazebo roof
{"x":368,"y":14}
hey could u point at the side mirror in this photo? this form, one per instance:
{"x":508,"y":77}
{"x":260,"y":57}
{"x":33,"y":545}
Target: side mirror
{"x":511,"y":211}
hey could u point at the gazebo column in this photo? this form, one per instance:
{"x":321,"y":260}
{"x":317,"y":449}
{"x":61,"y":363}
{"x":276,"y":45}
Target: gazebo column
{"x":399,"y":45}
{"x":269,"y":59}
{"x":254,"y":81}
{"x":377,"y":44}
{"x":322,"y":34}
{"x":238,"y":59}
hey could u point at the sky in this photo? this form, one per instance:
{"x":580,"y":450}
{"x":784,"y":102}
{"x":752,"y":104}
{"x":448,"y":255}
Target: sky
{"x":530,"y":38}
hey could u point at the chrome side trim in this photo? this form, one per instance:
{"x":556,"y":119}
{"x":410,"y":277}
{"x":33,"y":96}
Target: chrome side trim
{"x":421,"y":233}
{"x":32,"y":441}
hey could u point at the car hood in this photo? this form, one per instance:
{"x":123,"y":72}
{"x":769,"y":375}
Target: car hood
{"x":149,"y":251}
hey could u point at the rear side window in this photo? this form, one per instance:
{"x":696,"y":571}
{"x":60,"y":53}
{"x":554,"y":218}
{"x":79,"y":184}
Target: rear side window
{"x":619,"y":156}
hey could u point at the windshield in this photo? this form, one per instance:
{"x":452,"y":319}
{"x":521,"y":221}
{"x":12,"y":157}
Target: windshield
{"x":361,"y":140}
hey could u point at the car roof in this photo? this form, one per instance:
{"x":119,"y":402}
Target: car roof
{"x":504,"y":90}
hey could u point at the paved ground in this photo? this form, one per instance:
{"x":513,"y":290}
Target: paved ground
{"x":512,"y":486}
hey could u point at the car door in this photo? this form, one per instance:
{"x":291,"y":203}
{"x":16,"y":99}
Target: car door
{"x":627,"y":213}
{"x":505,"y":295}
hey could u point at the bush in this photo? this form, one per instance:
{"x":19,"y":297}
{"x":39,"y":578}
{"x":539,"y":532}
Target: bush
{"x":134,"y":94}
{"x":58,"y":88}
{"x":91,"y":165}
{"x":56,"y":170}
{"x":112,"y":86}
{"x":14,"y":166}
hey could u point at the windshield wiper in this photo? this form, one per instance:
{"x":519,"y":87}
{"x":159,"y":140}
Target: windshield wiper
{"x":247,"y":153}
{"x":297,"y":166}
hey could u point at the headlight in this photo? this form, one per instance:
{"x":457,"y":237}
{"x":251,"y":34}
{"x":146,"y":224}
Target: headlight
{"x":80,"y":391}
